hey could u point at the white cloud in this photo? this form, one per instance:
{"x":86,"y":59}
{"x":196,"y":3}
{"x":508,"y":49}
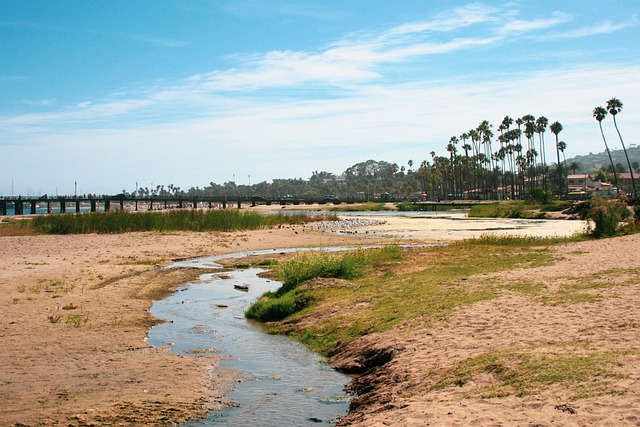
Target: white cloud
{"x":593,"y":30}
{"x":523,"y":26}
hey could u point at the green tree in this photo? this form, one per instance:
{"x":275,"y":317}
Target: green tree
{"x":614,"y":106}
{"x":573,"y":167}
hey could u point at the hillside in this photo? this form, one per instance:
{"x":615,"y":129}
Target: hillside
{"x":592,"y":162}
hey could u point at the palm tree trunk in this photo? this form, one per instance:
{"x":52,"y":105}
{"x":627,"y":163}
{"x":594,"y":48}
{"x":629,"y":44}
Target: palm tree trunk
{"x":615,"y":175}
{"x":633,"y":181}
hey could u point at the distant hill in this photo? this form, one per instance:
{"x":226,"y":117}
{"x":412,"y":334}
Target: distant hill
{"x":592,"y":162}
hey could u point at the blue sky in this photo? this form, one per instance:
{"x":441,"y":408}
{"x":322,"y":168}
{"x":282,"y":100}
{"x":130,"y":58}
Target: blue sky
{"x":188,"y":92}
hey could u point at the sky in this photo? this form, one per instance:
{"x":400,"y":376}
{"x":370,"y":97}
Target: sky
{"x":110,"y":95}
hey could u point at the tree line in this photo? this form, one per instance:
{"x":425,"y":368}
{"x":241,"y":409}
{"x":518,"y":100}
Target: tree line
{"x":507,"y":162}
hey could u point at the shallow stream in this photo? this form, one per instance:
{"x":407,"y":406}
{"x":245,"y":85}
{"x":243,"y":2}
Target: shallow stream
{"x":285,"y":384}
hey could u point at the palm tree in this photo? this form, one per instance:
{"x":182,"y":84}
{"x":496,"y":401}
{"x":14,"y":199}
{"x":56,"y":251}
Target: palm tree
{"x":599,"y":113}
{"x":452,"y":149}
{"x":541,"y":127}
{"x":614,"y":106}
{"x":573,"y":167}
{"x":484,"y":130}
{"x":556,"y":128}
{"x":563,"y":146}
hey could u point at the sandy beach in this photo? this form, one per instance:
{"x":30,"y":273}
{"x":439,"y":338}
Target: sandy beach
{"x":75,"y":322}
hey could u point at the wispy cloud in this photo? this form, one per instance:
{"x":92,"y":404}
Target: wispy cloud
{"x":519,"y":26}
{"x":40,"y":102}
{"x":594,"y":30}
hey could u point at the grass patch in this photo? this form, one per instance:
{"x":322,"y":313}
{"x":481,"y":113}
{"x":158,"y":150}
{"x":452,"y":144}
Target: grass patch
{"x":136,"y":261}
{"x":576,"y":290}
{"x":272,"y":308}
{"x":512,"y":209}
{"x":424,"y":287}
{"x":76,"y":320}
{"x":525,"y":287}
{"x":362,"y":207}
{"x":569,"y":297}
{"x":178,"y":220}
{"x":288,"y":300}
{"x":17,"y":227}
{"x":412,"y":207}
{"x":517,"y":241}
{"x":523,"y":372}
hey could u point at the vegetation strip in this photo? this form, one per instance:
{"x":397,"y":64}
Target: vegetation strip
{"x":528,"y":371}
{"x":178,"y":220}
{"x":370,"y":289}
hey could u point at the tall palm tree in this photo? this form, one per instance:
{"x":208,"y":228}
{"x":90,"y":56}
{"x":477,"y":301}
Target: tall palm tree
{"x":541,"y":127}
{"x":614,"y":106}
{"x":475,"y":144}
{"x":452,"y":149}
{"x":484,"y":130}
{"x":563,"y":146}
{"x":599,"y":113}
{"x":556,"y":128}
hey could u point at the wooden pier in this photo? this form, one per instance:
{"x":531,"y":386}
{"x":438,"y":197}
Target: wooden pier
{"x":31,"y":205}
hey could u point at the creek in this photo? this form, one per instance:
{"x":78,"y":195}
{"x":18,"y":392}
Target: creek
{"x":284,"y":384}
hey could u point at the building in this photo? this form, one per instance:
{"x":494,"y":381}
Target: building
{"x":624,"y":181}
{"x":584,"y":183}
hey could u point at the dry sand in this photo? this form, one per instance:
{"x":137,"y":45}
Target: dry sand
{"x":75,"y":319}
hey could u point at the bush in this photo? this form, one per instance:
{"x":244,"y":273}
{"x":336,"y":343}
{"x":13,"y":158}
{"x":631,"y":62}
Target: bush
{"x":607,"y":214}
{"x":273,"y":309}
{"x":540,"y":195}
{"x":503,"y":210}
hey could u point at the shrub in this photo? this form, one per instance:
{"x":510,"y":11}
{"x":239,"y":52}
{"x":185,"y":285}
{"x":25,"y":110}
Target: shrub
{"x":540,"y":195}
{"x":607,"y":214}
{"x":273,"y":309}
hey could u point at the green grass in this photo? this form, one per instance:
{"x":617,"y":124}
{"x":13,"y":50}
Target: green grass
{"x":424,"y":287}
{"x":272,"y":309}
{"x":410,"y":207}
{"x":288,"y":300}
{"x":77,"y":320}
{"x":178,"y":220}
{"x":527,"y":371}
{"x":360,"y":207}
{"x":512,"y":209}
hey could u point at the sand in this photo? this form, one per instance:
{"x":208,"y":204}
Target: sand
{"x":75,"y":320}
